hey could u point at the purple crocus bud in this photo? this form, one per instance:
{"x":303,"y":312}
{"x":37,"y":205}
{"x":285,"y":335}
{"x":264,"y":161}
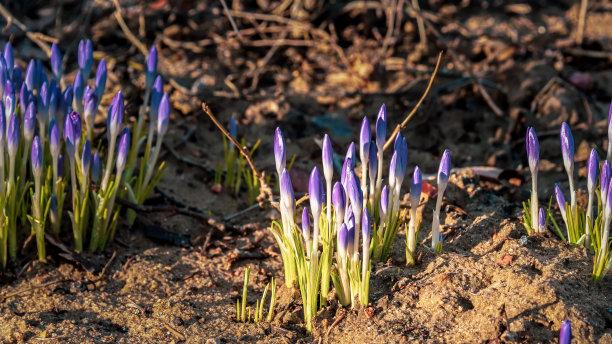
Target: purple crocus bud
{"x":43,"y":103}
{"x":163,"y":115}
{"x":592,"y":167}
{"x":328,"y":159}
{"x":343,"y":242}
{"x":381,"y":127}
{"x":122,"y":150}
{"x":116,"y":114}
{"x":373,"y":164}
{"x":542,"y":220}
{"x":36,"y":158}
{"x":29,"y":121}
{"x":346,"y":169}
{"x":41,"y":76}
{"x":72,"y":132}
{"x":12,"y":135}
{"x":565,"y":334}
{"x":24,"y":94}
{"x":9,"y":57}
{"x":444,"y":169}
{"x":355,"y":194}
{"x":233,"y":127}
{"x":366,"y":227}
{"x":85,"y":57}
{"x":416,"y":187}
{"x":286,"y":193}
{"x":533,"y":149}
{"x":101,"y":74}
{"x":86,"y":159}
{"x":384,"y":202}
{"x":608,"y":210}
{"x":30,"y":78}
{"x":151,"y":66}
{"x":9,"y":98}
{"x":350,"y":154}
{"x":560,"y":199}
{"x":96,"y":168}
{"x":54,"y":139}
{"x":604,"y":179}
{"x":392,"y":170}
{"x":91,"y":105}
{"x":364,"y":141}
{"x":567,"y":147}
{"x":279,"y":150}
{"x":315,"y":193}
{"x":339,"y":201}
{"x":306,"y":225}
{"x":56,"y":61}
{"x":156,"y":93}
{"x":66,"y":104}
{"x":350,"y":237}
{"x":79,"y":90}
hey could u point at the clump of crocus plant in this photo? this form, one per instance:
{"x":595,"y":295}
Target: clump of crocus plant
{"x":349,"y":222}
{"x":530,"y":215}
{"x":47,"y":141}
{"x":588,"y":226}
{"x":443,"y":175}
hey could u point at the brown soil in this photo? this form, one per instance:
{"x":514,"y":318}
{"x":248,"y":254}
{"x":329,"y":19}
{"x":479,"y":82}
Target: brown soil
{"x":491,"y":284}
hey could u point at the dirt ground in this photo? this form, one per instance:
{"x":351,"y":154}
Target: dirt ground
{"x":316,"y":67}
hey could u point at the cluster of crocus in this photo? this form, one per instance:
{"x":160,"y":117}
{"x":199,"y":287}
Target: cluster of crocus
{"x":354,"y":220}
{"x":155,"y":110}
{"x":589,"y":227}
{"x":47,"y":150}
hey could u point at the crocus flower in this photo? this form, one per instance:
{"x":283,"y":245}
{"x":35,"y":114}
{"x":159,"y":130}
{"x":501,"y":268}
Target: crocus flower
{"x":343,"y":240}
{"x":56,"y":61}
{"x":384,"y":203}
{"x":560,"y":200}
{"x":279,"y":150}
{"x":592,"y":166}
{"x":78,"y":88}
{"x":72,"y":132}
{"x":565,"y":334}
{"x":116,"y":114}
{"x":17,"y":76}
{"x":364,"y":141}
{"x":533,"y":149}
{"x":350,"y":154}
{"x":36,"y":158}
{"x":286,"y":191}
{"x":542,"y":220}
{"x":156,"y":93}
{"x":122,"y":151}
{"x":355,"y":194}
{"x":567,"y":151}
{"x":151,"y":70}
{"x":339,"y":202}
{"x":163,"y":115}
{"x":3,"y":76}
{"x":101,"y":75}
{"x":604,"y":179}
{"x":416,"y":187}
{"x":609,"y":157}
{"x":315,"y":193}
{"x":381,"y":127}
{"x":30,"y":78}
{"x":85,"y":57}
{"x":443,"y":174}
{"x":373,"y":167}
{"x":12,"y":135}
{"x":54,"y":140}
{"x":392,"y":170}
{"x":9,"y":57}
{"x":29,"y":122}
{"x":328,"y":159}
{"x":9,"y":98}
{"x":306,"y":227}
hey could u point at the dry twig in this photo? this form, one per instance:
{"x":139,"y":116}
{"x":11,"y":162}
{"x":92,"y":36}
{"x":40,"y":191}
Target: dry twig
{"x":412,"y":112}
{"x":126,"y":30}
